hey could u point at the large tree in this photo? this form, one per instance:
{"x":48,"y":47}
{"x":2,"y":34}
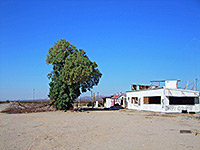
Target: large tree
{"x":73,"y":73}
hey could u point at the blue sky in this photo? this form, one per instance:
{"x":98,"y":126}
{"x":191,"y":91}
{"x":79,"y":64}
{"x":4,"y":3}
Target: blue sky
{"x":132,"y":41}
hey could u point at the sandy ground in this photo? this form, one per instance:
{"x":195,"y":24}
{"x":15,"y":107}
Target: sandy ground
{"x":110,"y":130}
{"x":3,"y":106}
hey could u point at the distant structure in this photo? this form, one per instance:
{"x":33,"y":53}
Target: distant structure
{"x":118,"y":99}
{"x":166,"y":98}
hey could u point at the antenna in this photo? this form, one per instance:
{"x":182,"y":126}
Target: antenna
{"x":195,"y":66}
{"x":196,"y":84}
{"x":195,"y":60}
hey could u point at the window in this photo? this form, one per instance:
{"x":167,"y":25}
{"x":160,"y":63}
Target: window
{"x":196,"y":100}
{"x":181,"y":100}
{"x":152,"y":100}
{"x":146,"y":100}
{"x":134,"y":100}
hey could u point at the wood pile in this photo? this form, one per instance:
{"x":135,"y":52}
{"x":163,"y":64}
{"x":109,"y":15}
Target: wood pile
{"x":17,"y":107}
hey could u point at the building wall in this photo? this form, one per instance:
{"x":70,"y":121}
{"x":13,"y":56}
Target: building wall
{"x":179,"y":108}
{"x":119,"y":99}
{"x":109,"y":102}
{"x":164,"y":104}
{"x":145,"y":93}
{"x":181,"y":93}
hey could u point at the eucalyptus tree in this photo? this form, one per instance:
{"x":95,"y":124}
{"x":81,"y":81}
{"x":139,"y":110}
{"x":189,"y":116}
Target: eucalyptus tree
{"x":73,"y":73}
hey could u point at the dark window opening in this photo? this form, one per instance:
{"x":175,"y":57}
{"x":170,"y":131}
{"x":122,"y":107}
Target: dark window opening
{"x":181,"y":100}
{"x":152,"y":100}
{"x":134,"y":100}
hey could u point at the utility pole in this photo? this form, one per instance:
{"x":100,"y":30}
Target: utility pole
{"x":91,"y":99}
{"x":94,"y":97}
{"x":91,"y":96}
{"x":94,"y":100}
{"x":79,"y":101}
{"x":98,"y":95}
{"x":33,"y":94}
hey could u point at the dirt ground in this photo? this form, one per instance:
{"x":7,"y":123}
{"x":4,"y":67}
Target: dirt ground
{"x":110,"y":130}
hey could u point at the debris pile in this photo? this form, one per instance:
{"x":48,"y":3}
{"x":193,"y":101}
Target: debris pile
{"x":17,"y":107}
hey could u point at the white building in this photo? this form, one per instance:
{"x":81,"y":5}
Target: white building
{"x":115,"y":100}
{"x":168,"y":98}
{"x":119,"y":99}
{"x":109,"y":102}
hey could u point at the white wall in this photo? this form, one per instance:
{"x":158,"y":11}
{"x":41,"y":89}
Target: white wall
{"x":171,"y":84}
{"x":145,"y":93}
{"x":109,"y":102}
{"x":164,"y":106}
{"x":179,"y":108}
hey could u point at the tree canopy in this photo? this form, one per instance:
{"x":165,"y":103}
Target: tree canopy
{"x":73,"y":73}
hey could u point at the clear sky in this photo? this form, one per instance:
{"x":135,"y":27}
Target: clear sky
{"x":132,"y":41}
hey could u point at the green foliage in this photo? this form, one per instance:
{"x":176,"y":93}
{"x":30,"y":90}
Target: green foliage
{"x":73,"y":73}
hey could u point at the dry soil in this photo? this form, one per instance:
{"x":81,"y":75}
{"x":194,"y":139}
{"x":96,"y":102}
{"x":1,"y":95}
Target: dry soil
{"x":112,"y":130}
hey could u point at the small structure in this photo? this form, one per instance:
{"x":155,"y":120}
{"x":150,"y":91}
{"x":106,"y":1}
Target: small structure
{"x":97,"y":104}
{"x":168,"y":98}
{"x":118,"y":99}
{"x":107,"y":102}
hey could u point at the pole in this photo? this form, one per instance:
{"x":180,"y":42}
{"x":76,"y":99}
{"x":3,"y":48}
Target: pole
{"x":94,"y":100}
{"x":98,"y":95}
{"x":91,"y":95}
{"x":195,"y":59}
{"x":33,"y":94}
{"x":94,"y":97}
{"x":79,"y":101}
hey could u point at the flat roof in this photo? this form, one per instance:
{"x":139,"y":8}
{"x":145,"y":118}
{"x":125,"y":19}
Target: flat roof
{"x":164,"y":80}
{"x":158,"y":88}
{"x":165,"y":89}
